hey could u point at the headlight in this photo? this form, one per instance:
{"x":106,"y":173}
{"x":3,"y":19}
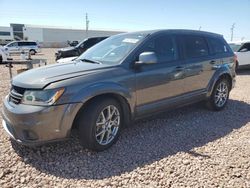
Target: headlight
{"x":42,"y":97}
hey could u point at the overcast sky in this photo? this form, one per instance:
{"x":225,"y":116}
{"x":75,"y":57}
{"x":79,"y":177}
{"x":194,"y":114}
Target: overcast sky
{"x":131,"y":15}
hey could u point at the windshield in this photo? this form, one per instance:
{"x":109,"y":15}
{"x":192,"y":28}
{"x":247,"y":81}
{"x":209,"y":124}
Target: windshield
{"x":114,"y":49}
{"x":235,"y":47}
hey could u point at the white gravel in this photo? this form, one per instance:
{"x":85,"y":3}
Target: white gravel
{"x":187,"y":147}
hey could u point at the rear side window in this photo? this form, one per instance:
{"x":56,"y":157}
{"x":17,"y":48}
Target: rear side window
{"x":218,"y":46}
{"x":164,"y":48}
{"x":32,"y":43}
{"x":195,"y":46}
{"x":27,"y":44}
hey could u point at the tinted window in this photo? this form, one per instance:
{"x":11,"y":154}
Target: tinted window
{"x":246,"y":45}
{"x":32,"y":43}
{"x":218,"y":46}
{"x":26,"y":43}
{"x":195,"y":46}
{"x":90,"y":42}
{"x":164,"y":48}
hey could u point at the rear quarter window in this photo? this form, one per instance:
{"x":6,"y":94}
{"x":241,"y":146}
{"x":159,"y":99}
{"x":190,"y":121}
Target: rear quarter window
{"x":218,"y":46}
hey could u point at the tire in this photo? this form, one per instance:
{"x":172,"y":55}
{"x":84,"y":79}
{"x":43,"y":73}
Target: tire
{"x":1,"y":59}
{"x":96,"y":132}
{"x":32,"y":52}
{"x":219,"y":97}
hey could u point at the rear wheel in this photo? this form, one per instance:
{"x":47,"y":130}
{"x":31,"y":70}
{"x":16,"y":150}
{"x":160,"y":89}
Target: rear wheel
{"x":100,"y":124}
{"x":220,"y":94}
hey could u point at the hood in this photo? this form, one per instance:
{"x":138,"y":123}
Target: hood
{"x":39,"y":78}
{"x":67,"y":59}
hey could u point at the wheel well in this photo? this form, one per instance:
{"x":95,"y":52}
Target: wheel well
{"x":120,"y":99}
{"x":227,"y":77}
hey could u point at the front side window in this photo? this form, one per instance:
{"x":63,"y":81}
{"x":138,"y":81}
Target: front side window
{"x":14,"y":44}
{"x":195,"y":46}
{"x":164,"y":48}
{"x":114,"y":49}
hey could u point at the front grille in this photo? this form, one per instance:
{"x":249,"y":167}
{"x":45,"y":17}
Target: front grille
{"x":16,"y":94}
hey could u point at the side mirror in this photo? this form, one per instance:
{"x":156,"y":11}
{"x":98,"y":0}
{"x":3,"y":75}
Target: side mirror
{"x":244,"y":50}
{"x":147,"y":58}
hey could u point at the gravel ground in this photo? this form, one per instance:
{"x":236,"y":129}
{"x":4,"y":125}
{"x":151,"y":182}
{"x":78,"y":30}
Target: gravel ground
{"x":187,"y":147}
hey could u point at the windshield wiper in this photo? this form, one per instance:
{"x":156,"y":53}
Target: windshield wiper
{"x":91,"y":61}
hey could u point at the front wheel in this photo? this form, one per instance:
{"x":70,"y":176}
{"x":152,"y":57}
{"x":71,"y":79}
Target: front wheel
{"x":100,"y":124}
{"x":219,"y":96}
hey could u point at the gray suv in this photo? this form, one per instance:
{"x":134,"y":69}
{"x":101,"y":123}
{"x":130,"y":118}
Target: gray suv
{"x":121,"y":79}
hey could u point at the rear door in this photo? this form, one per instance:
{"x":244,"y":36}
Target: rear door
{"x":199,"y":65}
{"x":156,"y":83}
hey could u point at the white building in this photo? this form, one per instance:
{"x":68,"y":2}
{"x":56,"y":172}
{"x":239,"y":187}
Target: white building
{"x":6,"y":34}
{"x":52,"y":36}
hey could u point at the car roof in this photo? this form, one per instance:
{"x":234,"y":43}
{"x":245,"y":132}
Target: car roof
{"x":175,"y":31}
{"x":26,"y":41}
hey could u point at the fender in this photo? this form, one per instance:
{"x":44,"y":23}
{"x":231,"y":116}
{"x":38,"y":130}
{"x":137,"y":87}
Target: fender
{"x":222,"y":70}
{"x":86,"y":93}
{"x":93,"y":90}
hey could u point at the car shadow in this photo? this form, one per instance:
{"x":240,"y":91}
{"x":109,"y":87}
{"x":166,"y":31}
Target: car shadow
{"x":243,"y":72}
{"x":148,"y":141}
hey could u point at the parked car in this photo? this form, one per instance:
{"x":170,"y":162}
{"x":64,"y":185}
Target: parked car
{"x":242,"y":50}
{"x":78,"y":49}
{"x":26,"y":46}
{"x":123,"y":78}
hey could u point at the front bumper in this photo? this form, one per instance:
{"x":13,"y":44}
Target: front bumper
{"x":36,"y":125}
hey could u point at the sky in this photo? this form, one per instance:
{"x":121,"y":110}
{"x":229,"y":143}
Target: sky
{"x":132,"y":15}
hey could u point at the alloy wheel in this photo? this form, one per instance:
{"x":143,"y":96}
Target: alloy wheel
{"x":107,"y":125}
{"x":221,"y":94}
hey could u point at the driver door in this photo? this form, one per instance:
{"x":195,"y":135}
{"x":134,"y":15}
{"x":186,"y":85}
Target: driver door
{"x":159,"y":82}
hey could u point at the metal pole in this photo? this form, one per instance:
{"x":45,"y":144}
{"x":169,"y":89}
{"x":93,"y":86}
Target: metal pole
{"x":232,"y":31}
{"x":87,"y":24}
